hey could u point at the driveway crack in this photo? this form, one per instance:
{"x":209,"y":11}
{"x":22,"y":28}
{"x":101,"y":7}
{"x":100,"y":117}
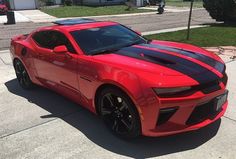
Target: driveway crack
{"x":28,"y":128}
{"x":229,"y":118}
{"x":5,"y":62}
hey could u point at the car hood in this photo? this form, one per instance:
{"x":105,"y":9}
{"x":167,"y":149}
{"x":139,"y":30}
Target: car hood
{"x":171,"y":59}
{"x":2,"y":6}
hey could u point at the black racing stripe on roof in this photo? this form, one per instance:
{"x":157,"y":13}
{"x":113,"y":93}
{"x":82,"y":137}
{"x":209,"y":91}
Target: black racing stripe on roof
{"x":176,"y":63}
{"x":203,"y":58}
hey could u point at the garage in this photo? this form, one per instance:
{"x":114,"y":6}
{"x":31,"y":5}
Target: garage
{"x":27,"y":4}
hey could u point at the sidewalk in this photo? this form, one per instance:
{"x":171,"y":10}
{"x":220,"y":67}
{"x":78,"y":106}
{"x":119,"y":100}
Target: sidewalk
{"x":170,"y":9}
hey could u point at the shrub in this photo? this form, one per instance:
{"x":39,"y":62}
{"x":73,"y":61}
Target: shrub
{"x":68,"y":2}
{"x":221,"y":10}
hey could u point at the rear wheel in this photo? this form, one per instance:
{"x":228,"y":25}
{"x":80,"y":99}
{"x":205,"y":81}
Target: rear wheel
{"x":119,"y":113}
{"x":22,"y":75}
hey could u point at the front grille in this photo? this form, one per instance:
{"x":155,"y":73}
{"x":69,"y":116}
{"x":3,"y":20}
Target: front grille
{"x":208,"y":87}
{"x":202,"y":112}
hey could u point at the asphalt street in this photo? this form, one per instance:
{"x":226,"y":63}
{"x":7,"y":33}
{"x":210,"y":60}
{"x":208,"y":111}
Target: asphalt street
{"x":42,"y":124}
{"x":142,"y":23}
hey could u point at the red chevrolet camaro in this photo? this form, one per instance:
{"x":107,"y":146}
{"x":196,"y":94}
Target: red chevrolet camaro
{"x":137,"y":86}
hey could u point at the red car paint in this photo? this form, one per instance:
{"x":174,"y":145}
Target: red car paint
{"x":78,"y":77}
{"x":3,"y":7}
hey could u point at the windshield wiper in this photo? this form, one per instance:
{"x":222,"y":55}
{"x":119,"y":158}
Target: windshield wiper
{"x":136,"y":42}
{"x":109,"y":51}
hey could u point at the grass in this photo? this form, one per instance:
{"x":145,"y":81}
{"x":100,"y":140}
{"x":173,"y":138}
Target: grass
{"x":204,"y":37}
{"x":80,"y":11}
{"x":181,"y":3}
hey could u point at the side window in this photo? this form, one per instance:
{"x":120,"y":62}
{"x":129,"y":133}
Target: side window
{"x":42,"y":38}
{"x":51,"y":39}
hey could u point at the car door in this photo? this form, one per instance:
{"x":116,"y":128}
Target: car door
{"x":44,"y":57}
{"x":58,"y":71}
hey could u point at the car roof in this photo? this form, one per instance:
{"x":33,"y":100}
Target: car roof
{"x":70,"y":25}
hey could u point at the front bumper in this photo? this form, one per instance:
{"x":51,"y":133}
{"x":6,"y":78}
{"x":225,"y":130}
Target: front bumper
{"x":182,"y":119}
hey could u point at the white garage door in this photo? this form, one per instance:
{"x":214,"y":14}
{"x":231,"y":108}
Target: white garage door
{"x":26,"y":4}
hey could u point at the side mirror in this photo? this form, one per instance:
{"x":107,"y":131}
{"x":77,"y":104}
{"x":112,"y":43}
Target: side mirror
{"x":60,"y":49}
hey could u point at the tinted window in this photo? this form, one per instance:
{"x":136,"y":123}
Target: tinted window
{"x":43,"y":39}
{"x":51,"y":39}
{"x":95,"y":40}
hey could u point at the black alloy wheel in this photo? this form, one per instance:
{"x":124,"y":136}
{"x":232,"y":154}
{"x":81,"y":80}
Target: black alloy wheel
{"x":119,"y":113}
{"x":22,"y":75}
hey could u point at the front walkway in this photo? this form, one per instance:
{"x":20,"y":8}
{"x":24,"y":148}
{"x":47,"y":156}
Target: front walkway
{"x":19,"y":18}
{"x":36,"y":16}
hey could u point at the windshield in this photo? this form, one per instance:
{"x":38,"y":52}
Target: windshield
{"x":95,"y":40}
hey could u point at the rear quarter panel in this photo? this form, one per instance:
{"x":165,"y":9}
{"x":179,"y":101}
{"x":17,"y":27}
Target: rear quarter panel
{"x":22,"y":50}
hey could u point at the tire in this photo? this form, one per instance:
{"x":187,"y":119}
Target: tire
{"x":22,"y":75}
{"x":160,"y":10}
{"x":119,"y":113}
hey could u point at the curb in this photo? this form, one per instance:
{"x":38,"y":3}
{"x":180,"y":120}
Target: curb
{"x":114,"y":15}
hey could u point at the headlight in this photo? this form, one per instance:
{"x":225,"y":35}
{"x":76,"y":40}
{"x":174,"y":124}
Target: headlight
{"x":168,"y":92}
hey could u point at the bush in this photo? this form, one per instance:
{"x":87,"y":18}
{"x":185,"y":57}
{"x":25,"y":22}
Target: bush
{"x":221,"y":10}
{"x":68,"y":2}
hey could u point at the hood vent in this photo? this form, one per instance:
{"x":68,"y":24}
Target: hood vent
{"x":157,"y":59}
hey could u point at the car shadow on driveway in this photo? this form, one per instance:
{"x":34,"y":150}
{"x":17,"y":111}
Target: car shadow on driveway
{"x":93,"y":128}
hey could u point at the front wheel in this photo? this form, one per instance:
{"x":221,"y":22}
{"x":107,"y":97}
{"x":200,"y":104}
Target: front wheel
{"x":119,"y":113}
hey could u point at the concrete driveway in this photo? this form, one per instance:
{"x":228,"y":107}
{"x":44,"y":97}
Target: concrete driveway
{"x":42,"y":124}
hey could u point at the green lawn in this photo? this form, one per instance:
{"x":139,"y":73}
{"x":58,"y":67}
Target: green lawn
{"x":209,"y":36}
{"x":79,"y":11}
{"x":181,"y":3}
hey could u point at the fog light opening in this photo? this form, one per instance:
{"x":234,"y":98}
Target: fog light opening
{"x":165,"y":114}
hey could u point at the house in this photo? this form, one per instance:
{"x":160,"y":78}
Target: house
{"x":28,"y":4}
{"x":34,"y":4}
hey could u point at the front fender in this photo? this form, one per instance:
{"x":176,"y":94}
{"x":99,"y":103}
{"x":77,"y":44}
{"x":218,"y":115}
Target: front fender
{"x":143,"y":97}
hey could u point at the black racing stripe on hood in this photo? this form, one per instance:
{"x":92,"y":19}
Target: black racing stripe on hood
{"x":203,"y":58}
{"x":176,"y":63}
